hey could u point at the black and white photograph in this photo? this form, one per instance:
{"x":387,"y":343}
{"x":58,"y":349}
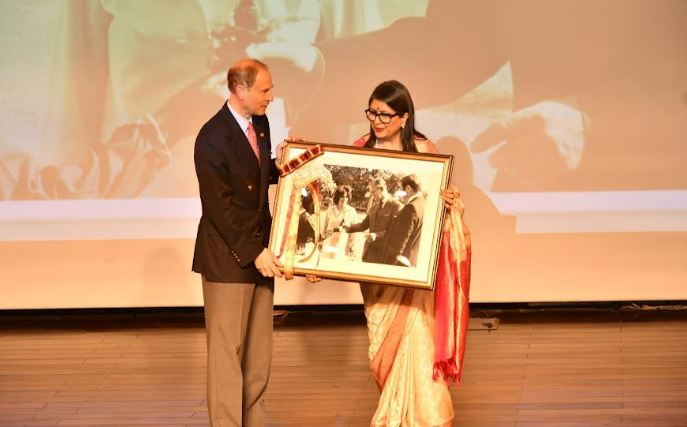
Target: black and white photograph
{"x":383,"y":220}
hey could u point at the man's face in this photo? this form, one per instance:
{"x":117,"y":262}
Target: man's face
{"x":409,"y":193}
{"x":255,"y":99}
{"x":378,"y":193}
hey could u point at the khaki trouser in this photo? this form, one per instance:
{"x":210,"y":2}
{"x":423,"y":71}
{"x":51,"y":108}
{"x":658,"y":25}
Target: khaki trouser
{"x":238,"y":323}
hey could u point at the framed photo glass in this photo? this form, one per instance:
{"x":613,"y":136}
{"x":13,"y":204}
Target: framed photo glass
{"x":360,"y":214}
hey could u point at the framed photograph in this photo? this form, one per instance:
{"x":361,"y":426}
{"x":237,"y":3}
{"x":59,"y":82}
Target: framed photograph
{"x":360,"y":214}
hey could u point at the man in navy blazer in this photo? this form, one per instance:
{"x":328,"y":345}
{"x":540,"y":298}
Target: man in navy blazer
{"x":377,"y":221}
{"x":404,"y":234}
{"x":231,"y":247}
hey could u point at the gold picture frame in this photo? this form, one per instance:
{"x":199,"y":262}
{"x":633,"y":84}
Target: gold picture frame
{"x":400,"y":245}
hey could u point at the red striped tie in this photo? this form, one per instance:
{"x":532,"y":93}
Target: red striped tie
{"x":253,"y":139}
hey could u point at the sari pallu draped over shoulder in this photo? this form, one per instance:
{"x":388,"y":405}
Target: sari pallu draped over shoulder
{"x":417,"y":338}
{"x":451,"y":298}
{"x":451,"y":310}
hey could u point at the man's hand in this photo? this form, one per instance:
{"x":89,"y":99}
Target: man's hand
{"x":371,"y":237}
{"x":534,"y":147}
{"x":280,"y":152}
{"x":282,"y":146}
{"x":267,"y":264}
{"x":312,"y":278}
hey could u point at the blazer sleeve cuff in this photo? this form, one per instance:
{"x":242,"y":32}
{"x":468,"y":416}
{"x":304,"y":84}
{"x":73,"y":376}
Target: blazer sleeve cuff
{"x":246,"y":255}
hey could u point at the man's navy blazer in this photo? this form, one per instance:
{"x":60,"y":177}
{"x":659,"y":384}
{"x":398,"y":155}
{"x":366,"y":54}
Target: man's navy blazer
{"x":405,"y":232}
{"x":236,"y":221}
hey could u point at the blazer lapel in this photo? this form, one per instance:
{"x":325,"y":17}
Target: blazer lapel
{"x":374,"y":212}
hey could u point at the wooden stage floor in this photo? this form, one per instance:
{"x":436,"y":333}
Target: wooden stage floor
{"x":574,"y":366}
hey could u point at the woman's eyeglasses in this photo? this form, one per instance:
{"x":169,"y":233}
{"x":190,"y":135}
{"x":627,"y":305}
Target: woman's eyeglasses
{"x":384,"y":118}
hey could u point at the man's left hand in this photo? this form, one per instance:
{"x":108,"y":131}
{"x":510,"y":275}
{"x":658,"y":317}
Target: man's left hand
{"x":267,"y":264}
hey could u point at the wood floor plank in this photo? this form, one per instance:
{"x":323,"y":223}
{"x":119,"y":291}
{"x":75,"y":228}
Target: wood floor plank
{"x":553,"y":368}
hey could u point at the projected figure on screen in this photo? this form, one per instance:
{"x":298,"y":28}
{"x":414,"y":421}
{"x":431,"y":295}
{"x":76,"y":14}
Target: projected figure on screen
{"x":585,"y":100}
{"x":133,"y":81}
{"x":626,"y":80}
{"x":129,"y":96}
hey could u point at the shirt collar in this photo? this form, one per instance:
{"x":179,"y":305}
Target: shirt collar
{"x":242,"y":121}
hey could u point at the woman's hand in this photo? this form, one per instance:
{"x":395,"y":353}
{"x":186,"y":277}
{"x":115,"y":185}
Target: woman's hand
{"x":312,"y":278}
{"x":452,"y":199}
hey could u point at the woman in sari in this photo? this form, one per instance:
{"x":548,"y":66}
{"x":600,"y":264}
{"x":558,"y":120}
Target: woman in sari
{"x":336,"y":241}
{"x":407,"y":349}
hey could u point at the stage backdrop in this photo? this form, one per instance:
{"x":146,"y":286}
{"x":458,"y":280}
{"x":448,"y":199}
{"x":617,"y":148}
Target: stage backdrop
{"x":567,"y":120}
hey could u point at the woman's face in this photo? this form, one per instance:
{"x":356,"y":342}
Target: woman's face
{"x":386,"y":131}
{"x":342,"y":201}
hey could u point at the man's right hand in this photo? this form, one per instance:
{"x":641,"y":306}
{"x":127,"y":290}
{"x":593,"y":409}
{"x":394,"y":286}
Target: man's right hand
{"x":312,"y":278}
{"x":340,"y":228}
{"x":267,"y":264}
{"x":534,"y":147}
{"x":282,"y":147}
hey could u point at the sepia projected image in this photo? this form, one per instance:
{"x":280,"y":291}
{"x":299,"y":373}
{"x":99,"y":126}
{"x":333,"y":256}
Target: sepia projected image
{"x":126,"y":85}
{"x":567,"y":133}
{"x":534,"y":111}
{"x":372,"y":223}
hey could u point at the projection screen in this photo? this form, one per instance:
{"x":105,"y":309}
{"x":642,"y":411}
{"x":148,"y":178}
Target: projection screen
{"x":567,"y":121}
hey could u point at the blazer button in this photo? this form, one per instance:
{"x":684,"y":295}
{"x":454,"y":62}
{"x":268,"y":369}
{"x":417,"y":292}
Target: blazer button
{"x":250,"y":187}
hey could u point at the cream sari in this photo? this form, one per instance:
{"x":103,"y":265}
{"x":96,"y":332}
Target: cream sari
{"x":411,"y":357}
{"x":400,"y":326}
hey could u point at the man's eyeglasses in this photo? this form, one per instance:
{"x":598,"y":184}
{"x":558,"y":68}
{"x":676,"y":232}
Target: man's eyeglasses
{"x":385,"y":118}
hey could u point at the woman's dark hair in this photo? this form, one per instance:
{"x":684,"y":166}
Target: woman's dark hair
{"x":343,"y":190}
{"x":394,"y":94}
